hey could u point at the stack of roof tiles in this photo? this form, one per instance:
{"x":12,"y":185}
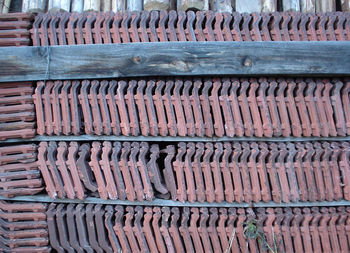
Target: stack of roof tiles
{"x":193,"y":174}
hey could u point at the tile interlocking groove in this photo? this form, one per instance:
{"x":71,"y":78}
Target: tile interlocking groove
{"x":154,"y":26}
{"x":211,"y":107}
{"x":221,"y":172}
{"x":234,"y":172}
{"x":27,"y":227}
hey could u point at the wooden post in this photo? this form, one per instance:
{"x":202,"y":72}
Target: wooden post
{"x":248,"y":6}
{"x":221,"y":6}
{"x":58,"y":5}
{"x":291,"y":5}
{"x":106,"y":5}
{"x":6,"y":7}
{"x":118,"y":5}
{"x":34,"y":5}
{"x":325,"y":5}
{"x":307,"y":6}
{"x":269,"y":6}
{"x":134,"y":5}
{"x":77,"y":6}
{"x":92,"y":5}
{"x":345,"y":5}
{"x":2,"y":2}
{"x":150,"y":5}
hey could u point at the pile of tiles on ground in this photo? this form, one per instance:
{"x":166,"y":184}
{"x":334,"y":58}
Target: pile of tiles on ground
{"x":199,"y":107}
{"x":154,"y":26}
{"x":19,"y":172}
{"x":232,"y":172}
{"x":17,"y":115}
{"x":104,"y":228}
{"x":23,"y":227}
{"x":14,"y":29}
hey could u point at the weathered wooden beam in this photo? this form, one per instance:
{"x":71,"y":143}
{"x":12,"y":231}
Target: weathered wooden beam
{"x":269,"y":5}
{"x":171,"y":203}
{"x":34,"y":5}
{"x":174,"y":59}
{"x":291,"y":5}
{"x":140,"y":138}
{"x":92,"y":5}
{"x":248,"y":6}
{"x":77,"y":6}
{"x":345,"y":5}
{"x":118,"y":5}
{"x":325,"y":5}
{"x":58,"y":5}
{"x":307,"y":6}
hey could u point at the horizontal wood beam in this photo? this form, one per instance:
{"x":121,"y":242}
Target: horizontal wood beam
{"x":39,"y":138}
{"x":174,"y":59}
{"x":171,"y":203}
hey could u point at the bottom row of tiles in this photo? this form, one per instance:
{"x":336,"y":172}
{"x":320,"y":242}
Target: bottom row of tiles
{"x":37,"y":227}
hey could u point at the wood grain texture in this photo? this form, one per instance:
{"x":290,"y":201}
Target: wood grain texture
{"x":221,"y":6}
{"x":201,"y":5}
{"x":118,"y":5}
{"x":248,"y":6}
{"x":34,"y":5}
{"x":345,"y":5}
{"x":291,"y":5}
{"x":77,"y":6}
{"x":174,"y":59}
{"x":92,"y":5}
{"x":269,"y":5}
{"x":58,"y":5}
{"x":150,"y":5}
{"x":134,"y":5}
{"x":325,"y":5}
{"x":307,"y":6}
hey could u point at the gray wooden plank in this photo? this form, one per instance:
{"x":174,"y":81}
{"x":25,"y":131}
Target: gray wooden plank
{"x":174,"y":59}
{"x":39,"y":138}
{"x":171,"y":203}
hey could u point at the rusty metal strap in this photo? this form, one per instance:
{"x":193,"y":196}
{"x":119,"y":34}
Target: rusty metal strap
{"x":163,"y":202}
{"x":175,"y":59}
{"x":172,"y":139}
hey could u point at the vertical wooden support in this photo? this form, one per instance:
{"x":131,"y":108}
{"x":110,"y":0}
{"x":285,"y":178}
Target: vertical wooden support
{"x":134,"y":5}
{"x":6,"y":7}
{"x":325,"y":5}
{"x":106,"y":5}
{"x":248,"y":6}
{"x":57,"y":5}
{"x":269,"y":6}
{"x":118,"y":5}
{"x":291,"y":5}
{"x":307,"y":6}
{"x":345,"y":5}
{"x":92,"y":5}
{"x":77,"y":6}
{"x":2,"y":2}
{"x":34,"y":5}
{"x":221,"y":6}
{"x":150,"y":5}
{"x":202,"y":5}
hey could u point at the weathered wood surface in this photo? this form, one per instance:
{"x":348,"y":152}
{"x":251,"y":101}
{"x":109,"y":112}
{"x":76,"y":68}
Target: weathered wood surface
{"x":92,"y":5}
{"x":307,"y":6}
{"x":34,"y":5}
{"x":77,"y":5}
{"x":248,"y":6}
{"x":291,"y":5}
{"x":325,"y":5}
{"x":59,"y":5}
{"x":174,"y":59}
